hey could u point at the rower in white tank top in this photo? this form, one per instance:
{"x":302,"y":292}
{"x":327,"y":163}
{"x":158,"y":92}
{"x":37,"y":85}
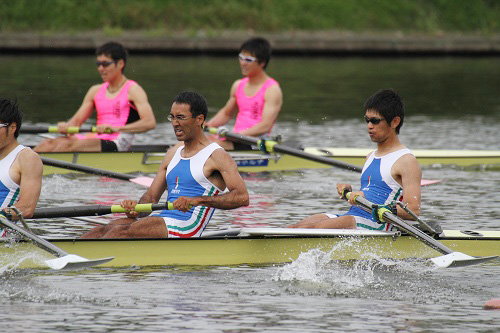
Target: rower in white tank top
{"x":378,"y":187}
{"x":9,"y":190}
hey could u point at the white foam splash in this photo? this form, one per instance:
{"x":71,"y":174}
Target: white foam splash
{"x":317,"y":267}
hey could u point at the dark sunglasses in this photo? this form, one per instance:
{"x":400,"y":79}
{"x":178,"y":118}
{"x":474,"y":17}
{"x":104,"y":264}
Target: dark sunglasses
{"x":373,"y":120}
{"x":104,"y":63}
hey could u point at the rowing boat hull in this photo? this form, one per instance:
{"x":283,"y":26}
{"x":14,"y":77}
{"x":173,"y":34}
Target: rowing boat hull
{"x":255,"y":249}
{"x":254,"y":161}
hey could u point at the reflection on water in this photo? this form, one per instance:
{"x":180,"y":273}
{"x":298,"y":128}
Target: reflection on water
{"x":51,"y":88}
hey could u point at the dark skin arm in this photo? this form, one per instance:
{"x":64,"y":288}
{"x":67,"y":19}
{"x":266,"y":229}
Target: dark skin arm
{"x":223,"y":172}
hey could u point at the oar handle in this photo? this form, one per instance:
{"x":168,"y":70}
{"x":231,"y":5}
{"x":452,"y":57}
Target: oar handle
{"x":143,"y":208}
{"x":36,"y":129}
{"x":94,"y":210}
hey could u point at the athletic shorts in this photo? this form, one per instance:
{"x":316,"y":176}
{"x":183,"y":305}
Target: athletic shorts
{"x":181,"y":228}
{"x":122,"y":143}
{"x":241,"y":146}
{"x":365,"y":224}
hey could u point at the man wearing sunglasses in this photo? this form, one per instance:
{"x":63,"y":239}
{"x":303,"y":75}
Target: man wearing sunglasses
{"x":122,"y":109}
{"x":389,"y":172}
{"x":255,"y":100}
{"x":20,"y":167}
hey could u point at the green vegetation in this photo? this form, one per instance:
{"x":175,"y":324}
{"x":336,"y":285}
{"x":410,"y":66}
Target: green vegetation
{"x":212,"y":16}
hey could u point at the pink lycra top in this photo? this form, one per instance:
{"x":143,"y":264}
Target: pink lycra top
{"x":111,"y":111}
{"x":250,"y":108}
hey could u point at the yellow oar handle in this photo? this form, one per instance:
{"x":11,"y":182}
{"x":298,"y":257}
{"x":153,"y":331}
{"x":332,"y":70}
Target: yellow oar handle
{"x":143,"y":208}
{"x":346,"y":194}
{"x":76,"y":129}
{"x":266,"y":145}
{"x":378,"y":211}
{"x":212,"y":130}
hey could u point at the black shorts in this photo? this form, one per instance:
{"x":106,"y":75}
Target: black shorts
{"x":241,"y":146}
{"x":108,"y":146}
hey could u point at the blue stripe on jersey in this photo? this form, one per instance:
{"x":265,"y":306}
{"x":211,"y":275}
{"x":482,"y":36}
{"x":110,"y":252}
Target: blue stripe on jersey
{"x":180,"y":182}
{"x":4,"y":193}
{"x":374,"y":188}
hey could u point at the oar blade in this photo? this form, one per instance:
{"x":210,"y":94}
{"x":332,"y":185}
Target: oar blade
{"x":144,"y":181}
{"x":73,"y":262}
{"x":459,"y":259}
{"x":425,"y":182}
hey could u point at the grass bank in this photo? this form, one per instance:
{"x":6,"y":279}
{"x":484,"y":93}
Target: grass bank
{"x":114,"y":17}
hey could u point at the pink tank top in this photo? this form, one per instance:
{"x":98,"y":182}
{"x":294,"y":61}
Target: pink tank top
{"x":111,"y":111}
{"x":250,"y":108}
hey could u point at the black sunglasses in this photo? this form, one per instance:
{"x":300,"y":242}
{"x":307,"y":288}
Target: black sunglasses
{"x":373,"y":120}
{"x":104,"y":63}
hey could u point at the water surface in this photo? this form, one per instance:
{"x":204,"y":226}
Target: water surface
{"x":451,"y":103}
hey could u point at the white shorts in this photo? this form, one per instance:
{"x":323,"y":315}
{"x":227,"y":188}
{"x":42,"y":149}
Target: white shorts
{"x":180,"y":229}
{"x":124,"y":141}
{"x":365,"y":224}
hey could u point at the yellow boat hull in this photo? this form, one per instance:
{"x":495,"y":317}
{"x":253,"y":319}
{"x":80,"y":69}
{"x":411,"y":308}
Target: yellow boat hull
{"x":229,"y":251}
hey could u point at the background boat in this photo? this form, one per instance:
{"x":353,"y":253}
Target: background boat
{"x":146,"y":159}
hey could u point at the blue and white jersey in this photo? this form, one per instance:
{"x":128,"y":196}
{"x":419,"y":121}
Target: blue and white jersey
{"x":9,"y":190}
{"x":185,"y":178}
{"x":378,"y":185}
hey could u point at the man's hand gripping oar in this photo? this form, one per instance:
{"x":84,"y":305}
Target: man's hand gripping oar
{"x":450,"y":257}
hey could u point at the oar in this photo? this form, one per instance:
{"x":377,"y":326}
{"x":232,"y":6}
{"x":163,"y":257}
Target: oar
{"x":450,"y":257}
{"x":63,"y":260}
{"x":272,"y":146}
{"x":95,"y":210}
{"x":144,"y":181}
{"x":37,"y":129}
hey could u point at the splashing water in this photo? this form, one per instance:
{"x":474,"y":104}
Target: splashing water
{"x":371,"y":277}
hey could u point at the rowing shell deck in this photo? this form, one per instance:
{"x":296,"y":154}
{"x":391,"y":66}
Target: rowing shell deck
{"x":146,"y":159}
{"x":357,"y":156}
{"x":253,"y":246}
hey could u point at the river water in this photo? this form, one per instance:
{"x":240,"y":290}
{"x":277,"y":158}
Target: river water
{"x":451,"y":103}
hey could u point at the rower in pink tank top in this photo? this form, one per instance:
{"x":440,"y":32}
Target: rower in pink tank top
{"x":250,"y":108}
{"x":111,"y":111}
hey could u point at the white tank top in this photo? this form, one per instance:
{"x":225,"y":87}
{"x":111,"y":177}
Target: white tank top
{"x":9,"y":190}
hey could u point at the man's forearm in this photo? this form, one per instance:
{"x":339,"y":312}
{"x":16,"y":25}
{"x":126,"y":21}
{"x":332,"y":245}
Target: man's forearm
{"x":231,"y":200}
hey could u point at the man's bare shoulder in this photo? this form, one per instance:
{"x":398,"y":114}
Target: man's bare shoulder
{"x":407,"y":163}
{"x":136,"y":89}
{"x":170,"y":154}
{"x":28,"y":158}
{"x":95,"y":88}
{"x":221,"y":158}
{"x":93,"y":91}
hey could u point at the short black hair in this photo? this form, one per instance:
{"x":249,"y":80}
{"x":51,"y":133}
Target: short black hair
{"x":9,"y":113}
{"x":197,"y":103}
{"x":114,"y":50}
{"x":259,"y":47}
{"x":389,"y":104}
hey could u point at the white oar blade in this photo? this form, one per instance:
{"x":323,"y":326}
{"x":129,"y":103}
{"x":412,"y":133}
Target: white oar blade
{"x":72,"y":261}
{"x":459,"y":259}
